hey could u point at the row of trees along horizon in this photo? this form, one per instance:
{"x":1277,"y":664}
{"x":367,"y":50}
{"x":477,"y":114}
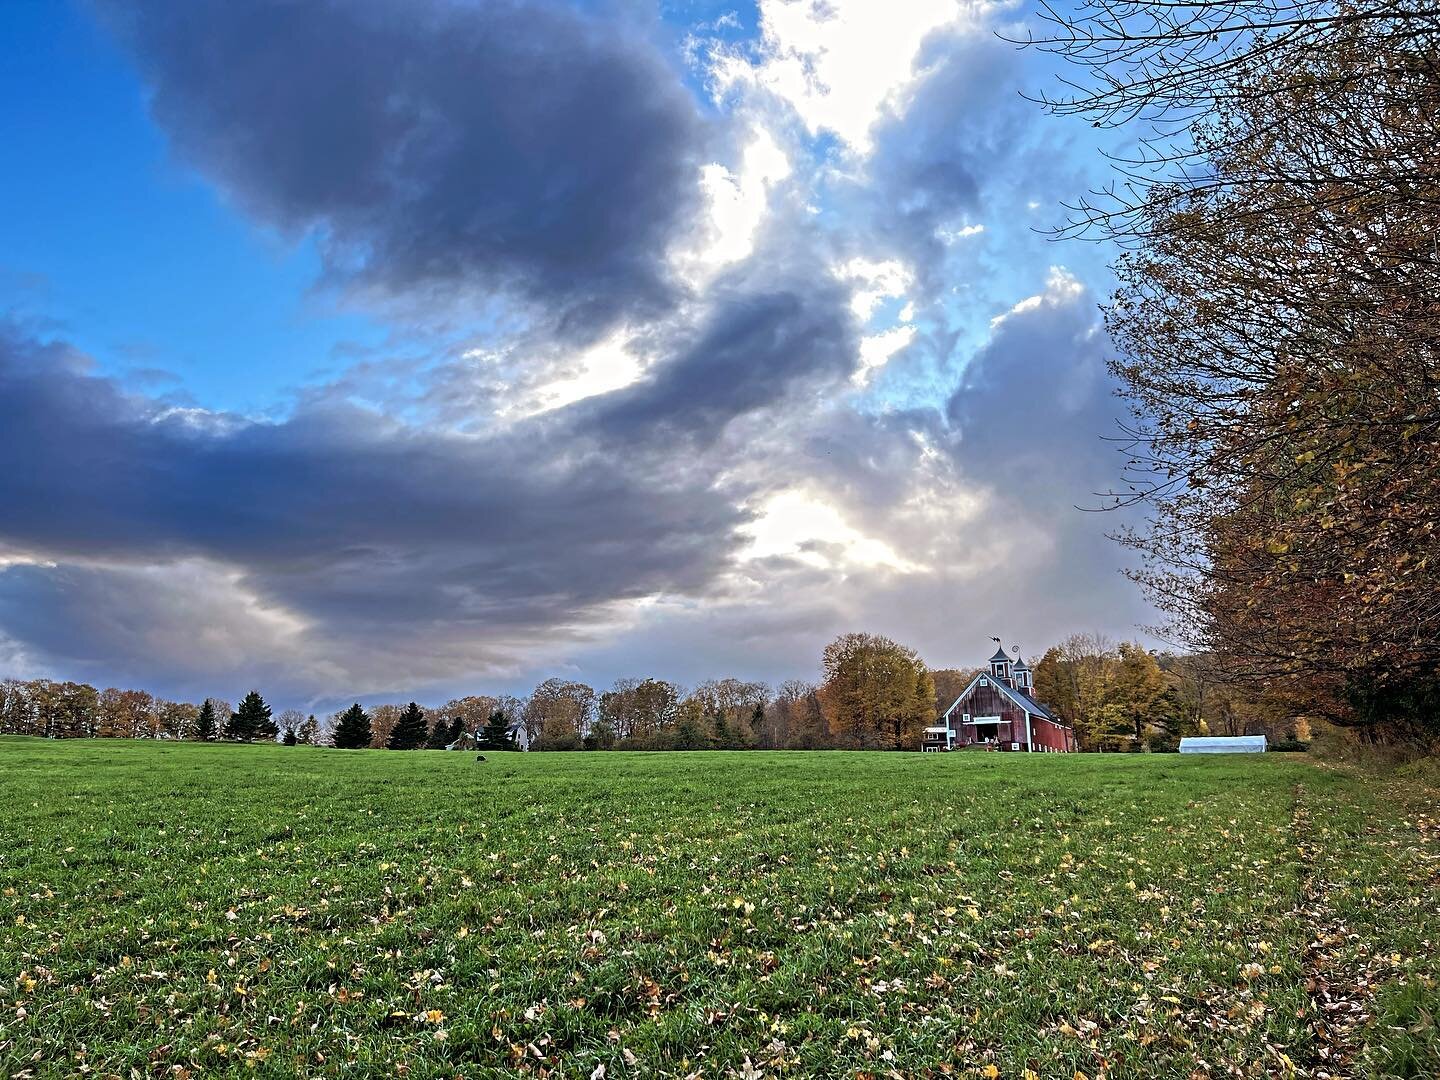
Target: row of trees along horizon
{"x":874,"y":694}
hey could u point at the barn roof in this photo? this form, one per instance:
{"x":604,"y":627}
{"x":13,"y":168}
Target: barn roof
{"x":1029,"y":703}
{"x":1000,"y":654}
{"x":1020,"y":664}
{"x":1019,"y":697}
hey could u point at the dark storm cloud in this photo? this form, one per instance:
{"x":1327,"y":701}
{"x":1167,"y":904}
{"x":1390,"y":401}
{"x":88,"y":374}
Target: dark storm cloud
{"x":933,"y":165}
{"x":969,"y":149}
{"x":435,"y":146}
{"x":1029,"y":424}
{"x":758,"y":344}
{"x":436,"y":550}
{"x":370,"y":529}
{"x":1036,"y":401}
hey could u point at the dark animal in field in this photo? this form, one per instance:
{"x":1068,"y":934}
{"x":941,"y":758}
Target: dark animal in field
{"x":479,"y":757}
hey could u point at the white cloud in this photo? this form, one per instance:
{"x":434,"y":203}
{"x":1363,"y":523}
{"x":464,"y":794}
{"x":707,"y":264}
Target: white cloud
{"x":605,"y":366}
{"x":951,"y":236}
{"x":1061,"y":287}
{"x":877,"y":349}
{"x":874,"y":281}
{"x":736,"y":204}
{"x":804,"y":526}
{"x":840,"y":64}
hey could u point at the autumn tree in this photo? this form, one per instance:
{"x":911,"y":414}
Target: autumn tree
{"x":175,"y":719}
{"x":732,"y":707}
{"x":383,"y":719}
{"x":693,"y":729}
{"x":63,"y":710}
{"x":950,"y":683}
{"x":1174,"y":75}
{"x":558,"y":714}
{"x":794,"y":719}
{"x":639,"y":711}
{"x":1278,"y":323}
{"x":1073,"y":680}
{"x":352,"y":730}
{"x":877,"y":694}
{"x":17,"y":714}
{"x":473,"y":710}
{"x":409,"y":732}
{"x":1137,"y":686}
{"x":123,"y":714}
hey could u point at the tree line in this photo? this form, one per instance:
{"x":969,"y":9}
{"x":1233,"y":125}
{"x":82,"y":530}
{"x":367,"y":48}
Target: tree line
{"x":874,"y":693}
{"x":69,"y":710}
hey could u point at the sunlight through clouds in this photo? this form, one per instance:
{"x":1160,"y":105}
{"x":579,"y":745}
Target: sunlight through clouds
{"x":736,"y":205}
{"x":840,"y":64}
{"x":606,"y":366}
{"x":805,"y":527}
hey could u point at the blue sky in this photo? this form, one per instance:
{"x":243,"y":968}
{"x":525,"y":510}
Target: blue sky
{"x":394,"y":350}
{"x":137,"y":257}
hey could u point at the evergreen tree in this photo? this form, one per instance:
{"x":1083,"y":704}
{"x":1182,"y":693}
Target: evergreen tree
{"x":353,"y":730}
{"x":206,"y":723}
{"x":251,"y":720}
{"x":495,"y":735}
{"x":290,"y":737}
{"x":457,"y":728}
{"x":409,"y":731}
{"x":440,"y":733}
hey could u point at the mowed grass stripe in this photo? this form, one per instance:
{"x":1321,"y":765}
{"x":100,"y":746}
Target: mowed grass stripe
{"x":217,"y":910}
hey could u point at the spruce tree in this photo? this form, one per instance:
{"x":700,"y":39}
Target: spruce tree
{"x":495,"y":735}
{"x":251,"y":720}
{"x":409,"y":731}
{"x":440,"y":734}
{"x":353,"y":730}
{"x":205,"y":723}
{"x":290,"y":737}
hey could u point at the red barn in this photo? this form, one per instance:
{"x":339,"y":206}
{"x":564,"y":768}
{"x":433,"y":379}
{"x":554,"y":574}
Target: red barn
{"x":996,"y":712}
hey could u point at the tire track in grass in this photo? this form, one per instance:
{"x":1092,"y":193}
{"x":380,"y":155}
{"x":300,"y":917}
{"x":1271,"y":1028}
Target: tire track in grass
{"x":1368,"y":893}
{"x":1337,"y":1006}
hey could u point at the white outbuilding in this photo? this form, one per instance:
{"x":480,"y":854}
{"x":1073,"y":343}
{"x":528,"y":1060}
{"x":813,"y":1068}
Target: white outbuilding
{"x":1223,"y":744}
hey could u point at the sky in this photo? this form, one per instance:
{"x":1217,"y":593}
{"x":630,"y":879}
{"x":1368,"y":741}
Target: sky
{"x":398,"y":349}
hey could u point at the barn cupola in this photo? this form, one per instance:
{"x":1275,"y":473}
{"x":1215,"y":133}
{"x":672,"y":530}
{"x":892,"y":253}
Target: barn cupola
{"x":1000,"y":664}
{"x":1023,"y":675}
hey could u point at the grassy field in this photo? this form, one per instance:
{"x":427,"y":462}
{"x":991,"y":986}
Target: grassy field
{"x":184,"y":910}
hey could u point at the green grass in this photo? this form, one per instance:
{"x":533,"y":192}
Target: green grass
{"x":174,"y":910}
